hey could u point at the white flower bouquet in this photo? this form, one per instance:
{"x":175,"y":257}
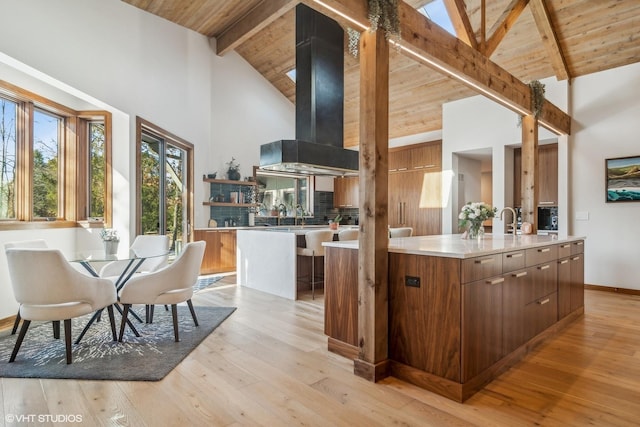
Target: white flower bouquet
{"x":473,"y":214}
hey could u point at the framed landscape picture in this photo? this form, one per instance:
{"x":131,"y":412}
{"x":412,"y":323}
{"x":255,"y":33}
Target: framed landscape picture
{"x":623,"y":179}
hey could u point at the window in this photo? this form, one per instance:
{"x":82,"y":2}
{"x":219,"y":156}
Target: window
{"x":281,"y":194}
{"x":47,"y":130}
{"x":8,"y":131}
{"x":97,"y":169}
{"x":54,"y":161}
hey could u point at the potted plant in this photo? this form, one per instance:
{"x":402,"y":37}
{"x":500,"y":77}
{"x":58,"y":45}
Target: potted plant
{"x":233,"y":170}
{"x":472,"y":215}
{"x":110,"y":239}
{"x":333,"y":224}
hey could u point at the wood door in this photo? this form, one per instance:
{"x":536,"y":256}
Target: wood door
{"x":548,"y":175}
{"x":564,"y":287}
{"x":345,"y":192}
{"x":513,"y":304}
{"x":399,"y":159}
{"x":211,"y":259}
{"x":397,"y":193}
{"x":577,"y":281}
{"x":426,"y":156}
{"x":227,"y":241}
{"x":482,"y":314}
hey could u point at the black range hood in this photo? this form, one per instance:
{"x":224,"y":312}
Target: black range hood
{"x":318,"y":148}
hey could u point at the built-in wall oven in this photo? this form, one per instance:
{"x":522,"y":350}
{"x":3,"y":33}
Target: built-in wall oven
{"x":548,"y":218}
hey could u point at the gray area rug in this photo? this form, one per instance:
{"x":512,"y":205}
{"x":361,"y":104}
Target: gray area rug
{"x":147,"y":358}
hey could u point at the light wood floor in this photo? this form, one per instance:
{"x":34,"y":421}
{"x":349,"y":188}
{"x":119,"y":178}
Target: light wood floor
{"x":268,"y":365}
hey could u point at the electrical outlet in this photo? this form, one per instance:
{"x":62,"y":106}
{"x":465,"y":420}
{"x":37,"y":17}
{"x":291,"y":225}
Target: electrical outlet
{"x":412,"y":281}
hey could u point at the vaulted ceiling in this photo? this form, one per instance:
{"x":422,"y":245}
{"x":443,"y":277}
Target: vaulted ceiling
{"x":531,"y":39}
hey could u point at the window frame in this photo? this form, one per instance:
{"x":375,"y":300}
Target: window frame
{"x":73,"y":185}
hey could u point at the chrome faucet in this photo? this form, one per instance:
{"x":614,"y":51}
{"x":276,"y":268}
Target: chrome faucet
{"x":513,"y":223}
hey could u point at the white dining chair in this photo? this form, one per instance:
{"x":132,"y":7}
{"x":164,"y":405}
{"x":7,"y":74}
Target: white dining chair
{"x":55,"y":291}
{"x":36,"y":243}
{"x":169,"y":285}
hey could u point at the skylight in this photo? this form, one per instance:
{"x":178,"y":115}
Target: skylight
{"x":437,"y":12}
{"x":292,"y":74}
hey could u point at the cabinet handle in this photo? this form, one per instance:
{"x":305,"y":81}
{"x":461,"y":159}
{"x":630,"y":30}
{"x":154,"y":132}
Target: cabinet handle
{"x":393,"y":170}
{"x":543,"y":267}
{"x":579,"y":243}
{"x":565,"y":246}
{"x":544,"y":301}
{"x":547,"y":203}
{"x":575,"y":258}
{"x":495,"y":281}
{"x":418,"y":167}
{"x":430,"y":166}
{"x":544,"y":250}
{"x":402,"y":169}
{"x":484,"y":261}
{"x":564,"y":261}
{"x":521,"y":274}
{"x":518,"y":255}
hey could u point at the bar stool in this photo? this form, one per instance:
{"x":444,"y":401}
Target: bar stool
{"x":314,"y":240}
{"x":401,"y":232}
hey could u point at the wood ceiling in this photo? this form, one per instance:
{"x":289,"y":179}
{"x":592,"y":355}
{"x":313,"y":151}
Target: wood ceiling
{"x":531,"y":39}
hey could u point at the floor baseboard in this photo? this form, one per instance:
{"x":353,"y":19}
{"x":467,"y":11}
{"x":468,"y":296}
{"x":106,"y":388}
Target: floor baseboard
{"x":612,"y":289}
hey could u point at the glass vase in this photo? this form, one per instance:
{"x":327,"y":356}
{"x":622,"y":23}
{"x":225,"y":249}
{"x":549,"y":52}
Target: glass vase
{"x":476,"y":231}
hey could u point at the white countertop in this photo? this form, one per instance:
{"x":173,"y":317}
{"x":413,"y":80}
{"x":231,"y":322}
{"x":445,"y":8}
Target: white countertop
{"x":454,"y":246}
{"x":299,"y":229}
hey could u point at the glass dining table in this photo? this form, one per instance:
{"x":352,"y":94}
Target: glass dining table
{"x":130,"y":261}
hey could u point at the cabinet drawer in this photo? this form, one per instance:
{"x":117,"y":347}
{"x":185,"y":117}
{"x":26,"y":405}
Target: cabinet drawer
{"x":513,"y":261}
{"x":564,"y":250}
{"x":542,"y":254}
{"x":577,"y":247}
{"x":540,"y":314}
{"x":481,"y":267}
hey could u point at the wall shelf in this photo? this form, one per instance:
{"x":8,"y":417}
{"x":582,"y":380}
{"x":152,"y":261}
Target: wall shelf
{"x":229,"y":204}
{"x":228,"y":181}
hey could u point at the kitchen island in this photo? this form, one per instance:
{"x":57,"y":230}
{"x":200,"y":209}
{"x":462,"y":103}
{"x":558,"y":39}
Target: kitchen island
{"x":266,"y":258}
{"x":461,"y":312}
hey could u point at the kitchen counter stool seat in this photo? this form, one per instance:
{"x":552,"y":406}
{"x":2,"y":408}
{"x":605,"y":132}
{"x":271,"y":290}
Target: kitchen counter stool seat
{"x":313,"y":249}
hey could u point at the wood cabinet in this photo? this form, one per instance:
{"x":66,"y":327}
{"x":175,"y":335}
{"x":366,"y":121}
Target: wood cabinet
{"x":220,"y":252}
{"x":345,"y":192}
{"x":547,"y":175}
{"x":482,"y":311}
{"x":455,"y":324}
{"x":570,"y":278}
{"x":415,"y":188}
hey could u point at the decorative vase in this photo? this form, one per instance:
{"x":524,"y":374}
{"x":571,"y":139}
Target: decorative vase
{"x":252,"y":219}
{"x":233,"y":175}
{"x":476,"y":231}
{"x":110,"y":247}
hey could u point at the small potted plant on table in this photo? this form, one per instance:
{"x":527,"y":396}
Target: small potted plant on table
{"x":333,"y":224}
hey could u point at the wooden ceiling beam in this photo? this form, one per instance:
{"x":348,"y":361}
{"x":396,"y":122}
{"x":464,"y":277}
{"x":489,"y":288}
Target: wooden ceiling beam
{"x":503,"y":25}
{"x":460,"y":20}
{"x":253,"y":22}
{"x":433,"y":46}
{"x":549,"y":38}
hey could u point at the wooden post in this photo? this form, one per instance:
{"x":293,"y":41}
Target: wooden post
{"x":529,"y":182}
{"x":372,"y":361}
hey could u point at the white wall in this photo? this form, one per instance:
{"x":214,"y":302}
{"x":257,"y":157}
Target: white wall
{"x":605,"y":108}
{"x":477,"y":123}
{"x":109,"y":55}
{"x":606,"y":124}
